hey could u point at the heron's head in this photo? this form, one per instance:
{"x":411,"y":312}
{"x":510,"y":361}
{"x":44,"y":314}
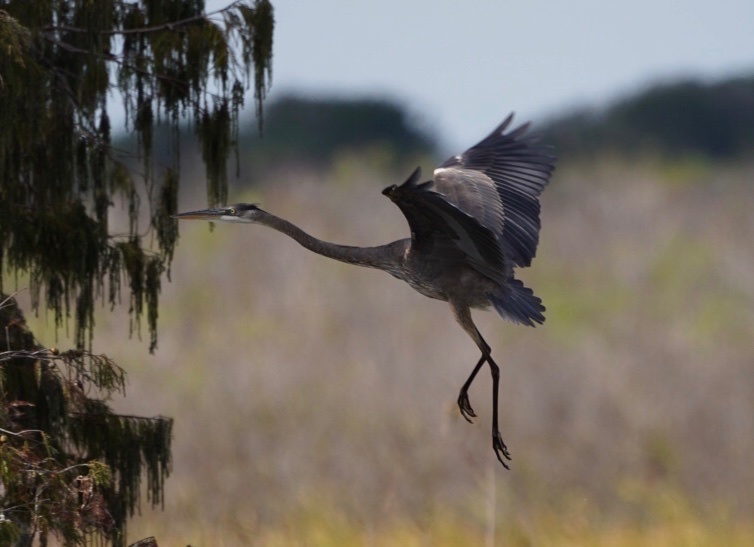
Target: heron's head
{"x":239,"y":212}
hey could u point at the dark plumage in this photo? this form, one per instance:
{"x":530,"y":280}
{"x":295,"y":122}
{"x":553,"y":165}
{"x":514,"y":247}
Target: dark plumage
{"x":470,"y":227}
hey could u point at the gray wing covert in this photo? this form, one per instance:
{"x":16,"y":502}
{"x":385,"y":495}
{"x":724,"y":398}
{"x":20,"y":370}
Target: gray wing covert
{"x":498,"y":181}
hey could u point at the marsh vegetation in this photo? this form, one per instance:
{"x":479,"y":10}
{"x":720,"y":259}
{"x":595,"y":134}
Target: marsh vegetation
{"x":315,"y":402}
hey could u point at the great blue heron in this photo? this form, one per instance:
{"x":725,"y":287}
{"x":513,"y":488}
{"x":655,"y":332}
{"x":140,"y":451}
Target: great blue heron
{"x":470,"y":227}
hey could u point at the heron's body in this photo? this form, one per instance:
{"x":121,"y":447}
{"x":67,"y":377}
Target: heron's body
{"x":436,"y":278}
{"x":471,"y":226}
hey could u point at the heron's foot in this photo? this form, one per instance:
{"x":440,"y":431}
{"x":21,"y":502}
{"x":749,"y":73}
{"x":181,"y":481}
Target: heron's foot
{"x":465,"y":406}
{"x":501,"y":451}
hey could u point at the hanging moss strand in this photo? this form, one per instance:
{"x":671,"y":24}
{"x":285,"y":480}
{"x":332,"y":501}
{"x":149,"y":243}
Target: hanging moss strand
{"x":62,"y":63}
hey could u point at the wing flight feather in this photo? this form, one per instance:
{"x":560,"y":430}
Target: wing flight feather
{"x":483,"y":203}
{"x":498,"y":181}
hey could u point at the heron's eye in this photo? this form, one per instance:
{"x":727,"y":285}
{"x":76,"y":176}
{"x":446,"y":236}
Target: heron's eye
{"x":232,"y":210}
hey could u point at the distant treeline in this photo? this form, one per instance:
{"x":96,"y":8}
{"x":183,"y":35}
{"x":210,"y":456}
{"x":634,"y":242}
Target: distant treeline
{"x":680,"y":118}
{"x":688,"y":117}
{"x":312,"y":131}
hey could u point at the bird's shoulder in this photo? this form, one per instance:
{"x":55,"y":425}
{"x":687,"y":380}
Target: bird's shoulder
{"x":443,"y":231}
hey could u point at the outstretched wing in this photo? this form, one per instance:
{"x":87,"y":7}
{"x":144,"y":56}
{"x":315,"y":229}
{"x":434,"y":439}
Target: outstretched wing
{"x":498,"y":182}
{"x":441,"y":229}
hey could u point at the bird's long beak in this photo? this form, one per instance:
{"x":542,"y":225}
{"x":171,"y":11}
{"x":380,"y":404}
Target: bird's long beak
{"x":204,"y":214}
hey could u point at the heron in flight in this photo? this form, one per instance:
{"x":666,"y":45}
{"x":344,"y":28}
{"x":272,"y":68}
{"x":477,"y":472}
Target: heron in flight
{"x":471,"y":227}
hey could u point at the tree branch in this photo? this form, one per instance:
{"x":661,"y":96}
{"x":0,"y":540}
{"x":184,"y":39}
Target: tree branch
{"x":143,"y":30}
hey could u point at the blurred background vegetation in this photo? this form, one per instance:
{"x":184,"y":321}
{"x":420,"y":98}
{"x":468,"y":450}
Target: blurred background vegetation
{"x":687,"y":120}
{"x":315,"y":402}
{"x":690,"y":117}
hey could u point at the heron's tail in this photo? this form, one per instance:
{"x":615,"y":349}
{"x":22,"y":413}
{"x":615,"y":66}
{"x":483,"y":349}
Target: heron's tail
{"x":517,"y":303}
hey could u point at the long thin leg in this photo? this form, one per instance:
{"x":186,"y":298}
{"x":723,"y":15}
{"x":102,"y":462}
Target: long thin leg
{"x":463,"y":397}
{"x":463,"y":316}
{"x":497,"y":439}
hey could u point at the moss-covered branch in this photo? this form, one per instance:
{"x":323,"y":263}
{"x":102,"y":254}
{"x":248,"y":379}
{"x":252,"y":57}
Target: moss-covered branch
{"x":69,"y":466}
{"x":59,"y":177}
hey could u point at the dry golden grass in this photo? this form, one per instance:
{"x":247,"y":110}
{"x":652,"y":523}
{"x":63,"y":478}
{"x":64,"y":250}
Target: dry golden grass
{"x":315,"y":402}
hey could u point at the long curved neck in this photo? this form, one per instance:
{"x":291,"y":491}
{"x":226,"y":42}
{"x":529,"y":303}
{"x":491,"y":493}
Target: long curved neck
{"x":384,"y":257}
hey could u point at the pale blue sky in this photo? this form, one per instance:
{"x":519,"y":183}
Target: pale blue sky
{"x":462,"y":66}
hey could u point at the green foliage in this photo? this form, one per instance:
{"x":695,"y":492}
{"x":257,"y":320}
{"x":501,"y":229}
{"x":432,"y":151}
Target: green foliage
{"x":59,"y":176}
{"x":69,"y":466}
{"x":684,"y":118}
